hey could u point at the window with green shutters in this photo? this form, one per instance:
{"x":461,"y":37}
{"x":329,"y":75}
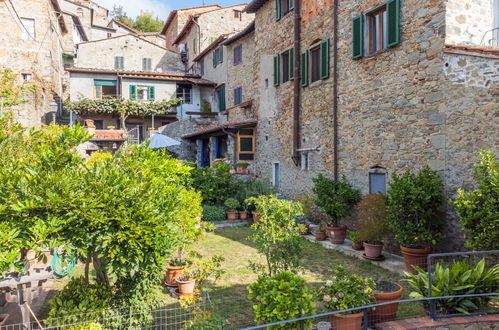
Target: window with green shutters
{"x":152,"y":92}
{"x":133,"y":92}
{"x":119,"y":62}
{"x":315,"y":63}
{"x":221,"y":98}
{"x":282,"y":7}
{"x":358,"y":37}
{"x":324,"y":67}
{"x":284,"y":66}
{"x":218,"y":56}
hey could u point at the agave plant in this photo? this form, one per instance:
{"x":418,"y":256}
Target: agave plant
{"x":458,"y":278}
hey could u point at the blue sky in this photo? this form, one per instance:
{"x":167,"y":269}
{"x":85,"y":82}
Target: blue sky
{"x":160,"y":8}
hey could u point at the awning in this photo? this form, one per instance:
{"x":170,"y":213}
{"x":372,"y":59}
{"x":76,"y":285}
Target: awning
{"x":105,"y":82}
{"x":218,"y":128}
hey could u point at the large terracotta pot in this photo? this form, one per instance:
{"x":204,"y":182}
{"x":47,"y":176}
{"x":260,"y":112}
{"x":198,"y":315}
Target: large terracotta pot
{"x":320,"y":236}
{"x":186,"y":287}
{"x":232,"y":215}
{"x":417,"y":257}
{"x":256,"y":218}
{"x":173,"y":273}
{"x":243,"y":215}
{"x":372,"y":251}
{"x":241,"y":170}
{"x":357,"y":246}
{"x":385,"y":313}
{"x":346,"y":322}
{"x":338,"y":234}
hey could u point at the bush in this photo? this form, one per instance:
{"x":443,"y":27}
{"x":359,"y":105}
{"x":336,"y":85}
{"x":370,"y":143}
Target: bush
{"x":215,"y":183}
{"x":213,"y":213}
{"x":253,"y":188}
{"x":413,"y":202}
{"x":458,"y":278}
{"x":335,"y":198}
{"x":372,"y":219}
{"x":281,"y":297}
{"x":479,"y":209}
{"x":86,"y":326}
{"x":208,"y":322}
{"x":277,"y":235}
{"x":232,"y":204}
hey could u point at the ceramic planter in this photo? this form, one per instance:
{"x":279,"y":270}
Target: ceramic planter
{"x":173,"y":273}
{"x":232,"y":215}
{"x":385,"y":313}
{"x":417,"y":257}
{"x":338,"y":234}
{"x":320,"y":236}
{"x":346,"y":322}
{"x":243,"y":215}
{"x":186,"y":287}
{"x":373,"y":251}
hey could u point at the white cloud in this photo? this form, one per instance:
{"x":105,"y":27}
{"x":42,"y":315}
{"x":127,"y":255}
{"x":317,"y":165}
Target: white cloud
{"x":134,"y":7}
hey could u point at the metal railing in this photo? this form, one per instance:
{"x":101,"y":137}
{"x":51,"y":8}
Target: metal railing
{"x":491,"y":38}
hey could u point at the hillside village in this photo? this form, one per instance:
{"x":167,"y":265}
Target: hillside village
{"x":283,"y":90}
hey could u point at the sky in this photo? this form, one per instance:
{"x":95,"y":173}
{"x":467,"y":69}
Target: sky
{"x":161,"y":8}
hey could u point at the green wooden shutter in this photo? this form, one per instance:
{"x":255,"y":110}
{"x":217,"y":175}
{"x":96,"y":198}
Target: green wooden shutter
{"x":221,"y":54}
{"x":291,"y":63}
{"x":151,"y":93}
{"x":392,"y":22}
{"x":133,"y":92}
{"x":221,"y":98}
{"x":324,"y":59}
{"x":358,"y":37}
{"x":291,"y":5}
{"x":122,"y":62}
{"x":215,"y":61}
{"x":277,"y":70}
{"x":116,"y":62}
{"x":277,"y":10}
{"x":304,"y":69}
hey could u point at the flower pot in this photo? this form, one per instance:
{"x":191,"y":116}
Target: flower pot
{"x":417,"y":257}
{"x":3,"y":319}
{"x":346,"y":322}
{"x":372,"y":251}
{"x":385,"y":313}
{"x":232,"y":215}
{"x":186,"y":287}
{"x":173,"y":273}
{"x":256,"y":218}
{"x":357,"y":246}
{"x":320,"y":236}
{"x":30,"y":255}
{"x":241,"y":170}
{"x":338,"y":234}
{"x":243,"y":215}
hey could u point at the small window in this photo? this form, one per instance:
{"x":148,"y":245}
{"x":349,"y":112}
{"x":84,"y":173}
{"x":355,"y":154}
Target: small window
{"x":79,"y":12}
{"x":28,"y":25}
{"x":237,"y":13}
{"x":238,"y":54}
{"x":184,"y":92}
{"x":283,"y":7}
{"x":109,"y":35}
{"x":218,"y":56}
{"x":285,"y":67}
{"x":377,"y":183}
{"x":246,"y":144}
{"x":26,"y":77}
{"x":99,"y":124}
{"x":375,"y":27}
{"x":142,"y":93}
{"x":304,"y":161}
{"x":146,"y":64}
{"x":238,"y":95}
{"x":315,"y":64}
{"x":119,"y":62}
{"x":276,"y":174}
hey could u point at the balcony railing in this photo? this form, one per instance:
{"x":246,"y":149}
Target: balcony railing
{"x":491,"y":38}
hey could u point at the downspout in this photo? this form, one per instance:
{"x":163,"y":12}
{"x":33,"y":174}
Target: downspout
{"x":335,"y":89}
{"x":296,"y":82}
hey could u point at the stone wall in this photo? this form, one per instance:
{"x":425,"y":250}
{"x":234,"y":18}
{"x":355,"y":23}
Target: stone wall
{"x":472,"y":70}
{"x":467,"y":21}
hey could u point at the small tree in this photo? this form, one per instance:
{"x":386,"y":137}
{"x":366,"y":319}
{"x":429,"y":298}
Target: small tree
{"x":277,"y":234}
{"x":479,"y":209}
{"x":371,"y":213}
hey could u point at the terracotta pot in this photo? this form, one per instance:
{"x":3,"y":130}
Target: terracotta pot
{"x":346,"y":322}
{"x":417,"y":257}
{"x":241,"y":170}
{"x":385,"y":313}
{"x":337,"y":235}
{"x":186,"y":287}
{"x":30,"y":255}
{"x":373,"y":251}
{"x":256,"y":218}
{"x":357,"y":246}
{"x":232,"y":215}
{"x":243,"y":215}
{"x":320,"y":236}
{"x":3,"y":318}
{"x":173,"y":273}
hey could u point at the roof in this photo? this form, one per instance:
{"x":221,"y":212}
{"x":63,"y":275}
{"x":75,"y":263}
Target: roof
{"x":480,"y":51}
{"x":125,"y":35}
{"x":126,"y":27}
{"x":109,"y":135}
{"x":210,"y":47}
{"x":247,"y":30}
{"x":174,"y":12}
{"x":169,"y":76}
{"x":245,"y":104}
{"x":217,"y":128}
{"x":254,"y":6}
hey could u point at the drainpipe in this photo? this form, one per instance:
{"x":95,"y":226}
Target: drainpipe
{"x":296,"y":83}
{"x":335,"y":88}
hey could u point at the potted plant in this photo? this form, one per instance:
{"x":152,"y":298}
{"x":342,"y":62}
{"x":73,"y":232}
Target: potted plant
{"x":336,"y":199}
{"x":372,"y":222}
{"x":199,"y":272}
{"x":186,"y":283}
{"x":243,"y":213}
{"x":232,"y":205}
{"x":344,"y":291}
{"x":320,"y":234}
{"x":242,"y":168}
{"x":385,"y":291}
{"x":354,"y":236}
{"x":413,"y":203}
{"x":176,"y":268}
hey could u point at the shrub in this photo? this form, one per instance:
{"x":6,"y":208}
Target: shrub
{"x":335,"y":198}
{"x":479,"y":209}
{"x":205,"y":105}
{"x":311,"y":211}
{"x":208,"y":322}
{"x":281,"y":297}
{"x":86,"y":326}
{"x":213,"y":213}
{"x":458,"y":278}
{"x":354,"y":236}
{"x":372,"y":219}
{"x":232,"y":204}
{"x":215,"y":183}
{"x":277,"y":235}
{"x":253,"y":188}
{"x":413,"y":202}
{"x":344,"y":291}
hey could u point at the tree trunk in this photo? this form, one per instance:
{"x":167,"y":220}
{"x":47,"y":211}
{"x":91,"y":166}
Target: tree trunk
{"x":100,"y":270}
{"x":87,"y":268}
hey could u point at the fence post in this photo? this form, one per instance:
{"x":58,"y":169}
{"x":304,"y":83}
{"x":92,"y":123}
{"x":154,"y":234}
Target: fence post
{"x":432,"y":302}
{"x":365,"y":320}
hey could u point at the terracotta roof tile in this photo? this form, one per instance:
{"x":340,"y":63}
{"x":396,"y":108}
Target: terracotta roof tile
{"x":219,"y":128}
{"x":108,"y":134}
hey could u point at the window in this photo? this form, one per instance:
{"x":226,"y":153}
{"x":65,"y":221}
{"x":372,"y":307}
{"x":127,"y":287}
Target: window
{"x":283,"y":7}
{"x":238,"y":95}
{"x":142,"y":93}
{"x":119,"y":62}
{"x":238,"y":54}
{"x":276,"y":174}
{"x":246,"y":144}
{"x":109,"y":35}
{"x":377,"y":183}
{"x":238,"y":13}
{"x":376,"y":30}
{"x":28,"y":25}
{"x":201,"y":67}
{"x":26,"y":77}
{"x":104,"y":88}
{"x":218,"y":56}
{"x":304,"y":161}
{"x":220,"y":96}
{"x":284,"y":67}
{"x":99,"y":124}
{"x":146,"y":64}
{"x":315,"y":63}
{"x":184,"y":92}
{"x":79,"y":12}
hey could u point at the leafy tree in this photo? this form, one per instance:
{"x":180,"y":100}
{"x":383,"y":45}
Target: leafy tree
{"x":11,"y":93}
{"x":145,"y":22}
{"x":215,"y":183}
{"x":119,"y":14}
{"x":479,"y":209}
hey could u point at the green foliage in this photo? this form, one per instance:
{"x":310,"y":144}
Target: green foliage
{"x":205,"y":105}
{"x":11,"y":93}
{"x":413,"y":202}
{"x":371,"y":213}
{"x":213,"y":213}
{"x":335,"y":198}
{"x":344,"y":291}
{"x":203,"y":269}
{"x":277,"y":235}
{"x":242,"y":164}
{"x":145,"y":22}
{"x":479,"y":209}
{"x":458,"y":278}
{"x":281,"y":297}
{"x":86,"y":326}
{"x":253,"y":188}
{"x":215,"y":183}
{"x":97,"y":157}
{"x":232,"y":204}
{"x":209,"y":322}
{"x":354,"y":236}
